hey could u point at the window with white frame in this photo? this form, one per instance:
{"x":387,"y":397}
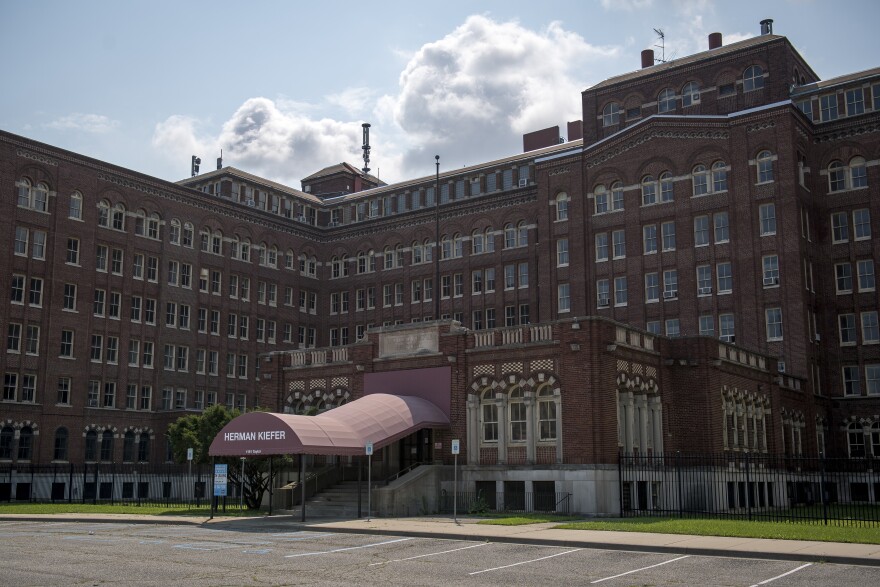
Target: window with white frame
{"x":764,"y":162}
{"x":770,"y":270}
{"x":862,"y":224}
{"x":564,"y":297}
{"x":846,"y":327}
{"x":768,"y":219}
{"x":865,"y":269}
{"x":620,"y":291}
{"x":872,"y":379}
{"x":855,"y":101}
{"x":602,"y":246}
{"x":753,"y":78}
{"x":690,"y":94}
{"x":652,"y":287}
{"x":773,"y":319}
{"x":602,"y":293}
{"x":666,"y":101}
{"x":701,"y":231}
{"x":611,"y":114}
{"x":673,"y":327}
{"x":852,"y":384}
{"x":618,"y":238}
{"x":704,"y":280}
{"x":670,"y":284}
{"x":488,"y":417}
{"x":724,"y":271}
{"x":562,"y":252}
{"x":843,"y":278}
{"x":667,"y":231}
{"x":726,"y":328}
{"x":649,"y":239}
{"x":649,"y":191}
{"x":839,"y":227}
{"x":870,"y":328}
{"x":562,"y":202}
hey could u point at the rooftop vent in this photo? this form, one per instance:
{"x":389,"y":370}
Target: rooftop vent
{"x":767,"y":26}
{"x":714,"y":41}
{"x":647,"y":58}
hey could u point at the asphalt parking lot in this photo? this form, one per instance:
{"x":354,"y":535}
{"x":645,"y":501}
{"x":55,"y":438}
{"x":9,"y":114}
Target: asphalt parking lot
{"x":75,"y":553}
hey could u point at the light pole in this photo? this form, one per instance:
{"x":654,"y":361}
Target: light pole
{"x":241,"y":487}
{"x":436,"y":288}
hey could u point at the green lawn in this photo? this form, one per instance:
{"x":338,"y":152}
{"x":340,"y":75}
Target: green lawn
{"x":735,"y":528}
{"x":146,"y":510}
{"x":523,"y":519}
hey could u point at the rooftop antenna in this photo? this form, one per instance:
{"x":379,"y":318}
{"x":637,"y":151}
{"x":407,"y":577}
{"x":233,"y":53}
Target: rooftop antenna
{"x":661,"y":46}
{"x":366,"y":147}
{"x":220,"y":160}
{"x":194,"y":166}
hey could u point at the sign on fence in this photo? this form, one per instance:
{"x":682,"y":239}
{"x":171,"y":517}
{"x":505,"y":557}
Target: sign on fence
{"x":220,"y":480}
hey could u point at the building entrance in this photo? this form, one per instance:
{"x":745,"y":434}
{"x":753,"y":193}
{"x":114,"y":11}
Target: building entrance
{"x":418,"y":447}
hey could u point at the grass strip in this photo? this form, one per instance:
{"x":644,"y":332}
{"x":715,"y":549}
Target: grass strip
{"x":524,"y":519}
{"x":847,"y":532}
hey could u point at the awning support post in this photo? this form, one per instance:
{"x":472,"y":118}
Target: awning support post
{"x":270,"y":484}
{"x":213,"y":499}
{"x":360,"y":484}
{"x":302,"y":487}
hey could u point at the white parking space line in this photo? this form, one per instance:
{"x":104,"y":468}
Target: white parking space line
{"x":765,"y":581}
{"x":399,"y":560}
{"x":348,"y":548}
{"x":637,"y":570}
{"x":534,"y":560}
{"x":298,"y":536}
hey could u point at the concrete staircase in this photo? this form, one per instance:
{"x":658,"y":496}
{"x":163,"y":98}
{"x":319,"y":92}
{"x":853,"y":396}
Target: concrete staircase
{"x":339,"y":501}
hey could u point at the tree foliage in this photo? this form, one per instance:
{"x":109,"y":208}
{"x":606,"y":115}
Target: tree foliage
{"x":197,"y":431}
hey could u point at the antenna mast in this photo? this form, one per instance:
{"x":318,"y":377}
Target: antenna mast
{"x":661,"y":46}
{"x":366,"y":147}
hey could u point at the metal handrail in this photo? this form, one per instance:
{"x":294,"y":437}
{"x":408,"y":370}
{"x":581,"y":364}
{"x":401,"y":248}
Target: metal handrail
{"x":401,"y":472}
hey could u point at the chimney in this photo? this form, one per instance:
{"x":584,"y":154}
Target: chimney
{"x":647,"y":58}
{"x":714,"y":41}
{"x":767,"y":26}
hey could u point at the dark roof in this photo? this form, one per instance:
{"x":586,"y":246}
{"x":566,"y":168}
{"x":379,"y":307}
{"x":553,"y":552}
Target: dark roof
{"x":836,"y":81}
{"x":696,"y":57}
{"x":343,"y":167}
{"x":234,"y":172}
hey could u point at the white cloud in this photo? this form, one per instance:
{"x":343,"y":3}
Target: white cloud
{"x":478,"y":89}
{"x":467,"y":97}
{"x":626,"y":5}
{"x":263,"y":139}
{"x":93,"y":123}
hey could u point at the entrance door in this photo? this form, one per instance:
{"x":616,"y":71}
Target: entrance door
{"x":416,"y":448}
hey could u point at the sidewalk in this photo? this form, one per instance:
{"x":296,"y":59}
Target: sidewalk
{"x":543,"y":534}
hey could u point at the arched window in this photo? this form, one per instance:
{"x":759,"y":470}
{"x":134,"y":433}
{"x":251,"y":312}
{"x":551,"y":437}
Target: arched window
{"x":7,"y":439}
{"x":666,"y":187}
{"x":600,"y":196}
{"x":690,"y":94}
{"x":701,"y":180}
{"x":649,"y":190}
{"x":753,"y":78}
{"x":522,"y":230}
{"x":261,"y":254}
{"x":488,"y":417}
{"x":107,"y":446}
{"x":666,"y":101}
{"x":858,"y":173}
{"x":765,"y":166}
{"x":91,"y":446}
{"x":719,"y":176}
{"x":388,"y":254}
{"x":272,"y":259}
{"x":40,"y":195}
{"x":174,"y":232}
{"x":128,"y":447}
{"x":188,"y":232}
{"x":289,"y":259}
{"x":398,"y":254}
{"x":836,"y":176}
{"x":118,"y":220}
{"x":477,"y":243}
{"x":140,"y":221}
{"x":509,"y":236}
{"x":611,"y":114}
{"x":855,"y":436}
{"x":104,"y":213}
{"x":562,"y":206}
{"x":60,"y":452}
{"x":490,"y":240}
{"x":617,"y":195}
{"x":144,"y":448}
{"x":546,"y":414}
{"x":24,"y":192}
{"x":153,"y":226}
{"x":25,"y":443}
{"x":517,"y":410}
{"x":75,"y":206}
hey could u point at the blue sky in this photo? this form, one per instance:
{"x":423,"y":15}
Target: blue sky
{"x":283,"y":87}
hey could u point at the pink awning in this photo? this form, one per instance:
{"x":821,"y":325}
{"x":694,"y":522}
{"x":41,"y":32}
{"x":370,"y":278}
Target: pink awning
{"x":378,"y":418}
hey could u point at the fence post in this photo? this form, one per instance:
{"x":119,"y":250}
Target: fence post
{"x":748,"y":487}
{"x":70,"y":485}
{"x":620,"y":480}
{"x":680,"y":490}
{"x":822,"y":488}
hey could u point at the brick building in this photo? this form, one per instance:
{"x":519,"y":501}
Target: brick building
{"x":695,"y":273}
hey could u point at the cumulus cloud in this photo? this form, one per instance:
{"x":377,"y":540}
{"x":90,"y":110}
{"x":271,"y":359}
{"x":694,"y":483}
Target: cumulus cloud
{"x":626,"y":5}
{"x":468,"y":97}
{"x":93,"y":123}
{"x":475,"y":91}
{"x":262,"y":138}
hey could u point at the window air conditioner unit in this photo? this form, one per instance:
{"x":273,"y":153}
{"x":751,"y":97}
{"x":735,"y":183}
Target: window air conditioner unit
{"x":603,"y":301}
{"x":301,"y":218}
{"x":670,"y":294}
{"x":818,"y":337}
{"x":704,"y":290}
{"x":250,"y":203}
{"x":728,"y":338}
{"x":771,"y":281}
{"x":523,"y":183}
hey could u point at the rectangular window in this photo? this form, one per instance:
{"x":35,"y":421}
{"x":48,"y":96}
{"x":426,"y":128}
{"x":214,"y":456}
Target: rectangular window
{"x":16,"y":295}
{"x":66,"y":344}
{"x":35,"y":294}
{"x":846,"y":325}
{"x":564,"y":297}
{"x":148,"y":355}
{"x":862,"y":224}
{"x":828,"y":107}
{"x":63,"y":397}
{"x":523,"y":275}
{"x":602,"y":293}
{"x":851,"y":380}
{"x":855,"y":102}
{"x":652,"y":287}
{"x":773,"y":317}
{"x":69,"y":302}
{"x":866,"y":274}
{"x":707,"y":325}
{"x":602,"y":246}
{"x":73,"y":251}
{"x":701,"y":231}
{"x":725,"y":277}
{"x":843,"y":277}
{"x":768,"y":219}
{"x":726,"y":328}
{"x":870,"y":328}
{"x":620,"y":291}
{"x":13,"y":338}
{"x":771,"y":270}
{"x":98,"y":302}
{"x":722,"y":227}
{"x":673,"y":327}
{"x":649,"y":239}
{"x":562,"y":252}
{"x":668,"y":234}
{"x":618,"y":238}
{"x":134,"y":352}
{"x":670,"y":284}
{"x":704,"y":280}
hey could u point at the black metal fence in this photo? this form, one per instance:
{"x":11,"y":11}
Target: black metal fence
{"x":108,"y":483}
{"x":752,"y":487}
{"x":481,"y":502}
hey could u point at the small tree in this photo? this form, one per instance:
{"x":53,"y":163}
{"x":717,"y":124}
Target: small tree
{"x":197,"y":431}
